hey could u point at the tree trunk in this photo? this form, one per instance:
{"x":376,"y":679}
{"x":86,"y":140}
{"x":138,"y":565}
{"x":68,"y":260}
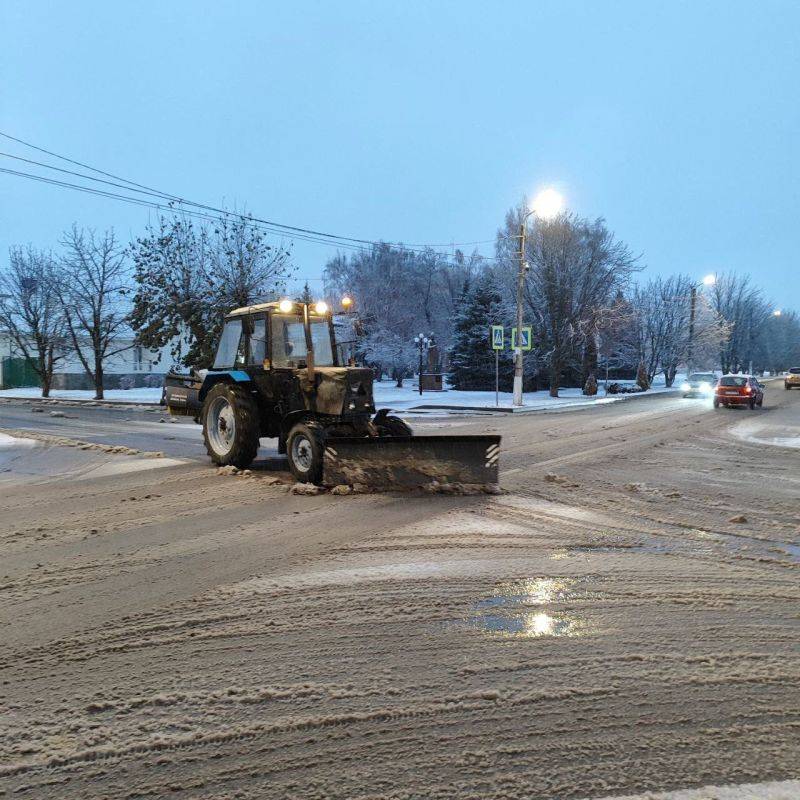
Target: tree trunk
{"x":555,"y":379}
{"x":98,"y":380}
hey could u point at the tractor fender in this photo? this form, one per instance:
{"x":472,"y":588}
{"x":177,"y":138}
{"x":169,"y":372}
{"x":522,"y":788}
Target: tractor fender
{"x":213,"y":377}
{"x":288,"y":422}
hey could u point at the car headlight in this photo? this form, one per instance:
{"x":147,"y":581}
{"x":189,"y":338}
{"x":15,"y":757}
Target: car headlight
{"x":705,"y":387}
{"x":685,"y":387}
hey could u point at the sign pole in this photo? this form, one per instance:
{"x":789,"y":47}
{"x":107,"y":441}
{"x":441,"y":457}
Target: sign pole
{"x":497,"y":377}
{"x":497,"y":336}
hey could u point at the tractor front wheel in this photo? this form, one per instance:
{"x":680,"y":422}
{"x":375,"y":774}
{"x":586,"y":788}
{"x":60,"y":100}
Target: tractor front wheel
{"x":305,"y":449}
{"x":230,"y":425}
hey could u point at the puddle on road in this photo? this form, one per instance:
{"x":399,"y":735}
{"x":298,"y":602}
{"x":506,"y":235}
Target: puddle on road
{"x":652,"y":548}
{"x":516,"y":610}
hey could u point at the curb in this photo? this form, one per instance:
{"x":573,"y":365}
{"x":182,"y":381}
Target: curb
{"x":75,"y":401}
{"x":564,"y":407}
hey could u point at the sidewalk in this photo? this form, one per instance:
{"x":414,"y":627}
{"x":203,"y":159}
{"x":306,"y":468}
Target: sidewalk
{"x":387,"y":395}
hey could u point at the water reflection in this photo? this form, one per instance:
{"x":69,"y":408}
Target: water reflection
{"x":536,"y":591}
{"x":508,"y":611}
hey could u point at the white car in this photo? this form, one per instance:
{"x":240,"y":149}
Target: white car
{"x":699,"y":384}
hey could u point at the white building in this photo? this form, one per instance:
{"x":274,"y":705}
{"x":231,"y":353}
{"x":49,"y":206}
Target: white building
{"x":138,"y":365}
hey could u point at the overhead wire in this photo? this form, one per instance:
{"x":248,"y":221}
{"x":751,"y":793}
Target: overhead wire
{"x":304,"y":234}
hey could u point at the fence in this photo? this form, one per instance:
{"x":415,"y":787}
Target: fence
{"x":16,"y":373}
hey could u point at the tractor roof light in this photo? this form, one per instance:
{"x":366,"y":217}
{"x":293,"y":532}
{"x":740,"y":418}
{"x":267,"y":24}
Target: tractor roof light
{"x":286,"y":306}
{"x":321,"y":307}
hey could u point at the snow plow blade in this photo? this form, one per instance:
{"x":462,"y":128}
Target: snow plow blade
{"x":412,"y":462}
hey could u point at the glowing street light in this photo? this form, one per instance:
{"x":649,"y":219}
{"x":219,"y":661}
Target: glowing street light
{"x":285,"y":306}
{"x":776,"y":312}
{"x":347,"y":301}
{"x":321,"y":307}
{"x":547,"y":205}
{"x":710,"y":280}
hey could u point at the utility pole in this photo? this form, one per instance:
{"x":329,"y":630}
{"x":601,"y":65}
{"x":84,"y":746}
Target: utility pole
{"x":520,"y":296}
{"x":692,"y":308}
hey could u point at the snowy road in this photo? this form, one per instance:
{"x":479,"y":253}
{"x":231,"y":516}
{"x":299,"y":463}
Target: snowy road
{"x":604,"y":629}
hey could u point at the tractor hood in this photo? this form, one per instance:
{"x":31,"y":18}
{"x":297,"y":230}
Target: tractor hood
{"x":343,"y":391}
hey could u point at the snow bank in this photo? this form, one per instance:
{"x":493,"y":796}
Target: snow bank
{"x":12,"y":441}
{"x":143,"y":395}
{"x":387,"y":395}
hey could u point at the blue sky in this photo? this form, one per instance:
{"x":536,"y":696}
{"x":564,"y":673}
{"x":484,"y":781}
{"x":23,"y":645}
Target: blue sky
{"x":422,"y":121}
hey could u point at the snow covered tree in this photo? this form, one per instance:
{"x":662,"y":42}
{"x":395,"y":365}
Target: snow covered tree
{"x":305,"y":296}
{"x":188,"y":276}
{"x":743,"y":307}
{"x":31,"y":312}
{"x":576,"y":267}
{"x":93,"y":289}
{"x":399,"y":293}
{"x":472,"y":359}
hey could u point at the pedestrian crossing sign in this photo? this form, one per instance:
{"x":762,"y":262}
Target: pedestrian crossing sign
{"x":525,"y":343}
{"x":498,"y":337}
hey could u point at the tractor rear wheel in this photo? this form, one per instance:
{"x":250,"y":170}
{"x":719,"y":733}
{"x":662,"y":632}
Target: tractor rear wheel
{"x":230,"y":425}
{"x":305,"y":449}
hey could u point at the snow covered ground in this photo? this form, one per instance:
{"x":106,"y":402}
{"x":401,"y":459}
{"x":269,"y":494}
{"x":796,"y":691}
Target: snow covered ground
{"x":775,"y":790}
{"x":143,"y":395}
{"x":387,"y":395}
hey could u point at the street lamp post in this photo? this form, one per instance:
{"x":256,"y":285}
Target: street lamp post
{"x":709,"y":280}
{"x":546,"y":205}
{"x":423,"y":344}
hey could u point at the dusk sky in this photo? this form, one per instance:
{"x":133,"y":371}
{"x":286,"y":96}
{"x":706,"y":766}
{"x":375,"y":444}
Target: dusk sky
{"x":421,"y":121}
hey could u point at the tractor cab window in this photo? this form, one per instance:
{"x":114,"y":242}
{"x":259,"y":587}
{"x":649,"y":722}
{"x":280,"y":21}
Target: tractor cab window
{"x":288,"y":340}
{"x":228,"y":350}
{"x":321,"y":338}
{"x":258,"y":340}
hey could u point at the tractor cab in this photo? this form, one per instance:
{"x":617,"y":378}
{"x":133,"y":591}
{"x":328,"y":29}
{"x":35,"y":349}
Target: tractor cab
{"x":281,"y":335}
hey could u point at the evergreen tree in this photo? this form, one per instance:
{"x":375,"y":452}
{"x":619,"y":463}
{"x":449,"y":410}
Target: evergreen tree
{"x":472,"y":360}
{"x":305,"y":295}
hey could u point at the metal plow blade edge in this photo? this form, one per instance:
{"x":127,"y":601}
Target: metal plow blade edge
{"x":412,"y":462}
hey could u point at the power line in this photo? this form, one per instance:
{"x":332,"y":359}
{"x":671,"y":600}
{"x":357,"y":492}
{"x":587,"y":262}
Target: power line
{"x":138,"y":201}
{"x":320,"y":236}
{"x":144,"y":202}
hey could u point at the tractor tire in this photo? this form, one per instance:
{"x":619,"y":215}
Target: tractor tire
{"x":393,"y":426}
{"x":231,"y":425}
{"x":305,"y":450}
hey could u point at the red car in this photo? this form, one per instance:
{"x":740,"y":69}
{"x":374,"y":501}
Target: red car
{"x":738,"y":390}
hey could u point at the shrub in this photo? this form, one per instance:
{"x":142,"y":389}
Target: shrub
{"x":153,"y":380}
{"x":127,"y":382}
{"x":590,"y":388}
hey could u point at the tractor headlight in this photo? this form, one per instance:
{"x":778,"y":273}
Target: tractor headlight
{"x":685,"y":387}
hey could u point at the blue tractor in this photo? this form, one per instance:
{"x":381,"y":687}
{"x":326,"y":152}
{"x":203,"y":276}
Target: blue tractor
{"x":277,"y":374}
